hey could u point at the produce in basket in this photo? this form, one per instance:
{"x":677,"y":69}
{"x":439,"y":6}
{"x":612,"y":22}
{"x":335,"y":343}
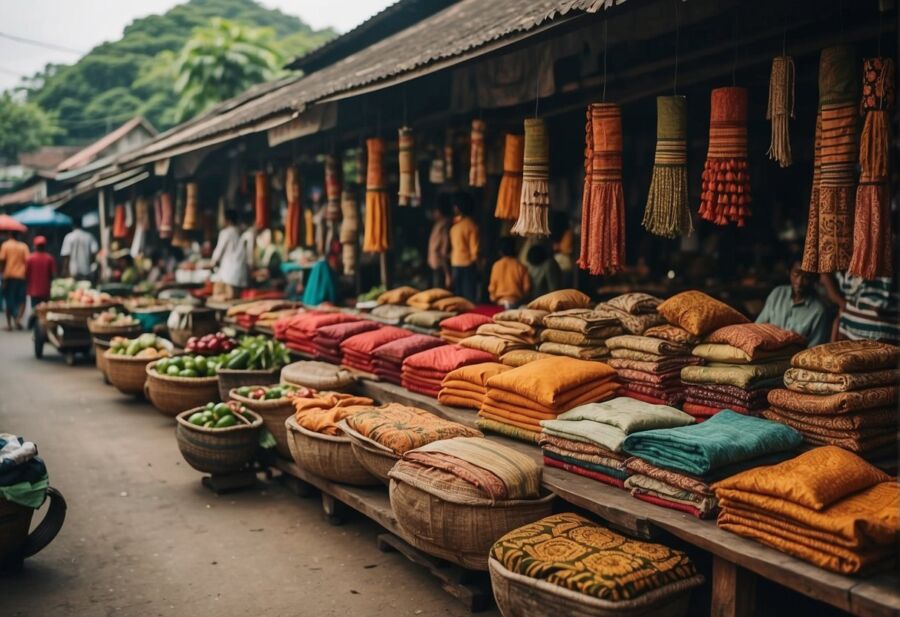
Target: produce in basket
{"x":270,"y":393}
{"x":60,"y":288}
{"x":114,"y":317}
{"x":257,"y":353}
{"x":87,"y":297}
{"x":210,"y":344}
{"x":144,"y":346}
{"x":190,"y":366}
{"x":220,"y":415}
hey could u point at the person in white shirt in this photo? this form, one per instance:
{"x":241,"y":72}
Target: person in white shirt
{"x":78,"y":250}
{"x":230,"y":260}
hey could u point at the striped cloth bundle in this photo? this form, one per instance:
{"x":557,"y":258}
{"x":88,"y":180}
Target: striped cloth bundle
{"x":534,"y":204}
{"x":293,"y":218}
{"x":726,"y":180}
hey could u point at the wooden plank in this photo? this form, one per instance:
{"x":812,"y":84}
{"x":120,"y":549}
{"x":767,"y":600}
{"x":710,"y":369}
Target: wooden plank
{"x":877,"y":596}
{"x":733,"y":590}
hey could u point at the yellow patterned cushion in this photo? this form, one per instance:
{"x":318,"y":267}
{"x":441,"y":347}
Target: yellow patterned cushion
{"x":699,"y":313}
{"x":561,"y":300}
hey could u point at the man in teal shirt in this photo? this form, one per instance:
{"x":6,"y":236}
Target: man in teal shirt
{"x":796,"y":307}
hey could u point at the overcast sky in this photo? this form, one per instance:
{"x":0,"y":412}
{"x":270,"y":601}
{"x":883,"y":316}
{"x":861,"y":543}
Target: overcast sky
{"x":83,"y":24}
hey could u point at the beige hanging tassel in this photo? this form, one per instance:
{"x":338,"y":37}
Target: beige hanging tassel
{"x":781,"y":108}
{"x":535,"y":201}
{"x":407,"y":191}
{"x":667,"y":213}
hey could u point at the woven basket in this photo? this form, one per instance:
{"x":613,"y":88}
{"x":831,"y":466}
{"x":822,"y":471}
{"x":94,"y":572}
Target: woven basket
{"x":521,"y":596}
{"x":230,"y":379}
{"x":327,"y":456}
{"x":172,"y":395}
{"x":462,"y":533}
{"x":100,"y":330}
{"x":220,"y":450}
{"x":127,"y":373}
{"x":100,"y":347}
{"x":377,"y":461}
{"x":273,"y":414}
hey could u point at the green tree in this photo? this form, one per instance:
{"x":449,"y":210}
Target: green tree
{"x":24,"y":127}
{"x":220,"y":61}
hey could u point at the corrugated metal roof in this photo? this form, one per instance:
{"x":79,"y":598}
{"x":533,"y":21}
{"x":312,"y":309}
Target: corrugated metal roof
{"x":89,"y":153}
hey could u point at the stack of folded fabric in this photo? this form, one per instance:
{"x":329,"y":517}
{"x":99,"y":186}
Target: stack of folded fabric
{"x":328,"y":339}
{"x":635,"y":311}
{"x":491,"y":343}
{"x":300,"y":329}
{"x":426,"y":322}
{"x":398,"y":295}
{"x":322,"y":412}
{"x":529,"y":322}
{"x":649,"y":368}
{"x":425,"y":371}
{"x":826,"y":506}
{"x":518,"y":399}
{"x":246,"y":314}
{"x":400,"y":428}
{"x":843,"y":394}
{"x":467,"y":385}
{"x":453,"y":304}
{"x":578,"y":333}
{"x":588,"y":440}
{"x":560,"y":300}
{"x":455,"y":329}
{"x":683,"y":462}
{"x":392,"y":314}
{"x":388,"y":358}
{"x":518,"y":357}
{"x":266,"y":321}
{"x":356,"y":351}
{"x":744,"y":361}
{"x":424,"y":300}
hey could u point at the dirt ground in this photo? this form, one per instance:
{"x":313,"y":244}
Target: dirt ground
{"x":143,"y":538}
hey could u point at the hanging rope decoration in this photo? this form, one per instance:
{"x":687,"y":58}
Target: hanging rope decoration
{"x":726,"y":181}
{"x":477,"y":172}
{"x":667,"y":213}
{"x":294,"y":217}
{"x":406,"y":143}
{"x":603,"y":217}
{"x":510,"y":193}
{"x":191,"y":206}
{"x":349,"y":230}
{"x":872,"y":251}
{"x":781,"y":108}
{"x":828,"y":234}
{"x":261,"y":198}
{"x":163,"y":211}
{"x":376,"y":238}
{"x":534,"y":202}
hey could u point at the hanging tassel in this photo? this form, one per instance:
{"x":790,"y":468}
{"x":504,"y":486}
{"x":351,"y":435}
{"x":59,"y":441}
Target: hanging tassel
{"x":584,"y":256}
{"x":781,"y":108}
{"x":309,"y":228}
{"x":872,"y":247}
{"x":332,"y":188}
{"x":164,"y":214}
{"x":477,"y":172}
{"x":828,"y":239}
{"x":436,"y":173}
{"x":191,"y":207}
{"x":667,"y":213}
{"x":376,"y":238}
{"x":407,"y":190}
{"x":119,"y":229}
{"x":261,"y":197}
{"x":725,"y":196}
{"x":349,"y":230}
{"x":535,"y":199}
{"x":510,"y":192}
{"x":293,"y":219}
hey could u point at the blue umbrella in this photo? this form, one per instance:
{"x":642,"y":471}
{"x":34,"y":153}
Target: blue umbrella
{"x":42,"y":216}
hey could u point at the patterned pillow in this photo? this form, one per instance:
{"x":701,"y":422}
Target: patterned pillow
{"x":699,"y":313}
{"x":673,"y":334}
{"x":398,"y":295}
{"x":561,"y":300}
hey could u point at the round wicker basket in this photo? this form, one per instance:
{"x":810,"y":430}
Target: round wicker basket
{"x":273,"y":413}
{"x":377,"y":461}
{"x":521,"y":596}
{"x":230,"y":379}
{"x":217,"y":450}
{"x":100,"y":330}
{"x":330,"y":457}
{"x":462,"y":533}
{"x":172,"y":395}
{"x":127,"y":373}
{"x":100,"y":347}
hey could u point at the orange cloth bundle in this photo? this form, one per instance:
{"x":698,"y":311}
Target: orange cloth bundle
{"x":494,"y":345}
{"x":376,"y":238}
{"x":455,"y":329}
{"x":726,"y":181}
{"x":293,"y":221}
{"x":119,"y":228}
{"x":322,"y":412}
{"x":400,"y":428}
{"x":262,"y":201}
{"x":826,"y":506}
{"x":427,"y":300}
{"x":510,"y":192}
{"x":425,"y":371}
{"x":477,"y":171}
{"x":466,"y":386}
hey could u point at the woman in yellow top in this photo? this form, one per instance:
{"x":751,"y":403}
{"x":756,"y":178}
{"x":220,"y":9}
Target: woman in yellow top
{"x":464,"y":246}
{"x":510,"y":283}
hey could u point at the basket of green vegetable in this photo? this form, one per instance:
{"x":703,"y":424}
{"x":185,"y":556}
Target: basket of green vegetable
{"x":182,"y":382}
{"x":256,"y":360}
{"x":218,"y":438}
{"x":126,"y":360}
{"x":274,"y":404}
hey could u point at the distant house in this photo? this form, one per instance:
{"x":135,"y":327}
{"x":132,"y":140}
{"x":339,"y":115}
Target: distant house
{"x":133,"y":133}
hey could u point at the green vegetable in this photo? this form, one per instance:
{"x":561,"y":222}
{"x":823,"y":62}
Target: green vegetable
{"x":226,"y":421}
{"x":188,"y":372}
{"x":239,"y":361}
{"x":172,"y":370}
{"x":197,"y":418}
{"x":221,"y":409}
{"x":243,"y":390}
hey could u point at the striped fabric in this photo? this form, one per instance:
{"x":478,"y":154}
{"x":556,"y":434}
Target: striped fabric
{"x":872,"y":310}
{"x":839,"y":147}
{"x":477,"y":172}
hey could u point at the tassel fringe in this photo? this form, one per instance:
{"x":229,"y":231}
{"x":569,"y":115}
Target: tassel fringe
{"x":668,"y":213}
{"x":534,"y":217}
{"x":781,"y":109}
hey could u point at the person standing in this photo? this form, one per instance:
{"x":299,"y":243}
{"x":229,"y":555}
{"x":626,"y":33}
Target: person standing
{"x":543,"y":270}
{"x":13,"y":260}
{"x":439,"y":246}
{"x":78,"y":250}
{"x":797,"y":307}
{"x":40,"y":269}
{"x":510,"y":282}
{"x":464,"y":247}
{"x":230,"y":260}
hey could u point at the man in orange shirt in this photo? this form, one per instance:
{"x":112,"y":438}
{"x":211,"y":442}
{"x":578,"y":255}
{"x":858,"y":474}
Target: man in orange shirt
{"x":510,"y":282}
{"x":464,"y":246}
{"x":13,"y":258}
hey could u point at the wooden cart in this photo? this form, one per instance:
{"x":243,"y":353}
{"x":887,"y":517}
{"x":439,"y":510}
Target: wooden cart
{"x":65,"y":328}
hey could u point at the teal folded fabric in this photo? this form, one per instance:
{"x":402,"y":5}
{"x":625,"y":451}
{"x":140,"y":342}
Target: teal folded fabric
{"x":320,"y":287}
{"x":727,"y":438}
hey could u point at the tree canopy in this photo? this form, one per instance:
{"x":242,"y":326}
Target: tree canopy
{"x":23,"y":127}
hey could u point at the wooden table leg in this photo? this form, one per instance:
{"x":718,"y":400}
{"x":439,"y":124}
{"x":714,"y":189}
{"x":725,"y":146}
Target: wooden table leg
{"x":733,"y":590}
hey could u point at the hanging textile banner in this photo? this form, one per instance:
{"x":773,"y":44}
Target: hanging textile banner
{"x":163,"y":211}
{"x":534,"y":202}
{"x":510,"y":193}
{"x":376,"y":237}
{"x":119,"y":228}
{"x":667,"y":213}
{"x":349,"y":230}
{"x":332,"y":188}
{"x":294,"y":217}
{"x":407,"y":191}
{"x":191,"y":218}
{"x":781,"y":108}
{"x":872,"y":249}
{"x":261,"y":193}
{"x":603,"y":213}
{"x":477,"y":172}
{"x":726,"y":181}
{"x":828,"y":245}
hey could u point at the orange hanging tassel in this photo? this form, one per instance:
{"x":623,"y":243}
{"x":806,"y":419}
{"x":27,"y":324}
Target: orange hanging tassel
{"x":293,"y":218}
{"x":262,"y":200}
{"x":119,"y":229}
{"x":510,"y":192}
{"x":376,"y":238}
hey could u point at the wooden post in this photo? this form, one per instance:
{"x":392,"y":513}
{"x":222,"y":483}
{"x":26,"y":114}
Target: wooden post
{"x":383,"y":265}
{"x":104,"y":236}
{"x":733,"y":590}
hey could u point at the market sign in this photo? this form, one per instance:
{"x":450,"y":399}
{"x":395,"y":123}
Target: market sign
{"x":313,"y":120}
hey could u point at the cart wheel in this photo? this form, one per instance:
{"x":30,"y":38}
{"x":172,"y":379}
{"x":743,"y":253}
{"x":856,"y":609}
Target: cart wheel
{"x":40,"y":338}
{"x":70,"y":358}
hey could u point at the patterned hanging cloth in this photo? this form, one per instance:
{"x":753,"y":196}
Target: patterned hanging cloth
{"x":510,"y":193}
{"x":119,"y":228}
{"x":477,"y":172}
{"x":872,"y":250}
{"x":309,"y":228}
{"x":261,"y":196}
{"x":534,"y":204}
{"x":191,"y":218}
{"x":293,"y":220}
{"x":781,"y":108}
{"x":163,"y":211}
{"x":828,"y":233}
{"x":726,"y":180}
{"x":603,"y":214}
{"x":179,"y":236}
{"x":349,"y":230}
{"x":667,"y":213}
{"x":407,"y":191}
{"x":376,"y":238}
{"x":332,"y":188}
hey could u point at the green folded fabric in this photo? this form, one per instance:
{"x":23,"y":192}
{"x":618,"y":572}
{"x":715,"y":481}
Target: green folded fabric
{"x":28,"y":494}
{"x":726,"y":438}
{"x":738,"y":375}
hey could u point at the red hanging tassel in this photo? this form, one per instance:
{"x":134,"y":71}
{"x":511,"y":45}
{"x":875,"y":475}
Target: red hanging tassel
{"x":726,"y":158}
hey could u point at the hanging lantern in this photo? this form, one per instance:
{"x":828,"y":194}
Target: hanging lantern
{"x":191,"y":218}
{"x":726,"y":179}
{"x":667,"y":213}
{"x":477,"y":172}
{"x":376,"y":238}
{"x":781,"y":108}
{"x":510,"y":193}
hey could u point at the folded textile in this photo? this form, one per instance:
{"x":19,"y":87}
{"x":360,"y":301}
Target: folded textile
{"x":838,"y":403}
{"x":738,"y":375}
{"x":476,"y":374}
{"x":398,"y":295}
{"x":820,"y":382}
{"x":867,"y":418}
{"x":848,"y":357}
{"x":670,"y":496}
{"x":635,"y":303}
{"x":560,"y":300}
{"x":683,"y":481}
{"x":518,"y":357}
{"x":456,"y":398}
{"x":453,"y":304}
{"x":529,"y":317}
{"x":582,"y":320}
{"x":549,"y":461}
{"x":401,"y":428}
{"x":573,"y":351}
{"x":569,"y":337}
{"x":753,"y":339}
{"x":493,"y":345}
{"x":398,"y":350}
{"x":322,"y":413}
{"x":672,"y":377}
{"x":500,"y":399}
{"x":427,"y":319}
{"x":465,"y":386}
{"x":631,"y":323}
{"x":674,"y":363}
{"x":454,"y":329}
{"x":574,"y":446}
{"x":357,"y":351}
{"x":863,"y":440}
{"x":718,"y":352}
{"x":615,"y":466}
{"x":327,"y":339}
{"x":673,"y":334}
{"x":547,"y":381}
{"x":510,"y":330}
{"x":317,"y":375}
{"x":661,"y":394}
{"x":23,"y":474}
{"x":445,"y":358}
{"x":648,"y":398}
{"x":424,"y":300}
{"x":724,"y":439}
{"x":616,"y":475}
{"x":391,"y":313}
{"x":508,"y":430}
{"x":648,"y":344}
{"x":728,"y":394}
{"x":638,"y":356}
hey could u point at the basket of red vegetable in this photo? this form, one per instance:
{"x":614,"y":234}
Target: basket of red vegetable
{"x":182,"y":382}
{"x":256,"y":360}
{"x":210,"y":344}
{"x":274,"y":404}
{"x":218,"y":438}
